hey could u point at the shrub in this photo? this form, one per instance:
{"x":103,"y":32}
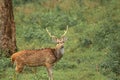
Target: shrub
{"x":108,"y":38}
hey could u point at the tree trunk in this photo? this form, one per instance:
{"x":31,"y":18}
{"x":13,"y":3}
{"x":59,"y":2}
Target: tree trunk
{"x":7,"y":28}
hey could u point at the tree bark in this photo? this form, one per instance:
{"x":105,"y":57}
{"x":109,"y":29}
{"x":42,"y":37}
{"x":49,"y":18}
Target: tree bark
{"x":7,"y":28}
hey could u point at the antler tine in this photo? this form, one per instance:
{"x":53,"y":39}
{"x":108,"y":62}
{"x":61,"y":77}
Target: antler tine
{"x":49,"y":33}
{"x":65,"y":31}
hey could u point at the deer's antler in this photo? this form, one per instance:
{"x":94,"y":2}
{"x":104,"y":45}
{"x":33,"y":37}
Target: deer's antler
{"x":50,"y":34}
{"x":65,"y":32}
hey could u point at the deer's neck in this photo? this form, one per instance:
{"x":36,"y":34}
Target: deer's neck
{"x":59,"y":53}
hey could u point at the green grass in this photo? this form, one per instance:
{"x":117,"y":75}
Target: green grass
{"x":79,"y":62}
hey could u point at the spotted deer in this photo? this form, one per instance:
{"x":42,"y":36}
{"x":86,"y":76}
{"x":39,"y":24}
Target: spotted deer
{"x":42,"y":57}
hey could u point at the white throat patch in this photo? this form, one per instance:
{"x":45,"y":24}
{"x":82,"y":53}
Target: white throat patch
{"x":62,"y":51}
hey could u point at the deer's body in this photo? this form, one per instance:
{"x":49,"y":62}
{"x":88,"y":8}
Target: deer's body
{"x":33,"y":58}
{"x":42,"y":57}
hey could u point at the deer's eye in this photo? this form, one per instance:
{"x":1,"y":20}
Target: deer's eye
{"x":57,"y":42}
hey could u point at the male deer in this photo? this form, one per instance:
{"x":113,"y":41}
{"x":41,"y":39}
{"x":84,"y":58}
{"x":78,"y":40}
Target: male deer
{"x":42,"y":57}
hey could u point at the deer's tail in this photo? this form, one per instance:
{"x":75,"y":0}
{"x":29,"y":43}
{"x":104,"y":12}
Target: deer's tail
{"x":13,"y":59}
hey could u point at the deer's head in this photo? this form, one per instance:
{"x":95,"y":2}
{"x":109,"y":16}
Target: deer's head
{"x":58,"y":41}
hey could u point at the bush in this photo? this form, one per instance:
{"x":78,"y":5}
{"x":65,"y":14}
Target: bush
{"x":108,"y":38}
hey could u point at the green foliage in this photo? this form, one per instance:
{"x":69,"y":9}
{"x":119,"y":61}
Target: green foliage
{"x":107,"y":34}
{"x":107,"y":37}
{"x":92,"y":48}
{"x":112,"y":62}
{"x":114,"y":58}
{"x":4,"y":64}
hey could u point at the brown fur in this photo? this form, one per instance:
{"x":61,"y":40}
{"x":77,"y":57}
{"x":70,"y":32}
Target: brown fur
{"x":34,"y":58}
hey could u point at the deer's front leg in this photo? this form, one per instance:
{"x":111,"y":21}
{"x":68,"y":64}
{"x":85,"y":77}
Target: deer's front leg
{"x":49,"y":69}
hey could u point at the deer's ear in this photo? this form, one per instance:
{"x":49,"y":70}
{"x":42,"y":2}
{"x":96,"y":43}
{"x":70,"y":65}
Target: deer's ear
{"x":54,"y":39}
{"x":64,"y":39}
